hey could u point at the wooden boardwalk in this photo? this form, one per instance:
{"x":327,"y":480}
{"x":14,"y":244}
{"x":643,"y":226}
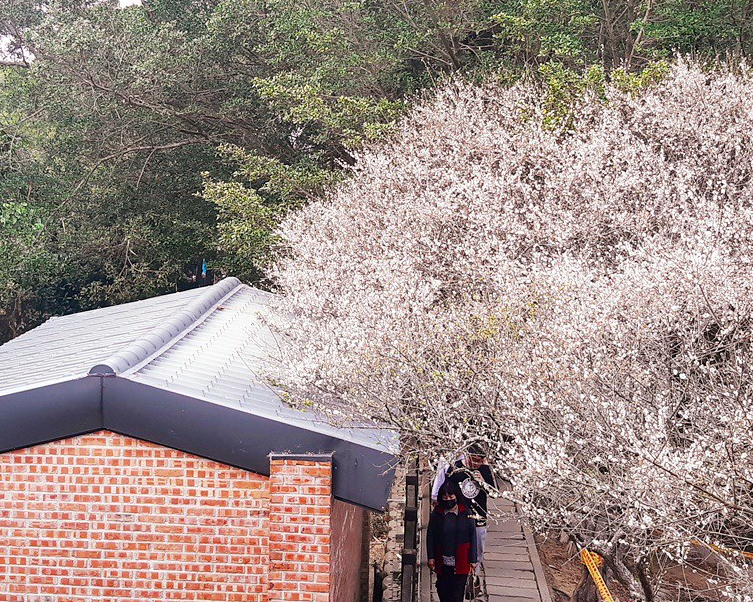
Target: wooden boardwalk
{"x":512,"y":568}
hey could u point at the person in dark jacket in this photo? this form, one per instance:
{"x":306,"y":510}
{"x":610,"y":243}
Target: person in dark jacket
{"x":451,"y":544}
{"x":466,"y":473}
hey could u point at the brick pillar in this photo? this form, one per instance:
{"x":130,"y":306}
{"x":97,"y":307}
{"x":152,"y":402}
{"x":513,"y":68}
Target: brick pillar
{"x":300,"y":512}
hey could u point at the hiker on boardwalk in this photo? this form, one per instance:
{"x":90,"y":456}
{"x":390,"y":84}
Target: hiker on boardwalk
{"x":472,"y":475}
{"x":451,"y":544}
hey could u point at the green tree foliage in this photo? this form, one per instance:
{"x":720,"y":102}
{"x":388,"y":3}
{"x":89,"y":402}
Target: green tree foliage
{"x":146,"y":139}
{"x":625,"y":34}
{"x":339,"y":73}
{"x":720,"y":27}
{"x":27,"y":269}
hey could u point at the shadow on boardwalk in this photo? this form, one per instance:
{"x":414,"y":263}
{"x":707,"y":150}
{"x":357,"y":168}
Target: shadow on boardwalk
{"x":512,"y":568}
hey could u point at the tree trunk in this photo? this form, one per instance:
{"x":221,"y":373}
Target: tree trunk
{"x":638,"y":591}
{"x":585,"y":590}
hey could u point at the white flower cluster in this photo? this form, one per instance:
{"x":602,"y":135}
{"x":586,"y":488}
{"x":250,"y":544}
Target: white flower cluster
{"x":579,"y":301}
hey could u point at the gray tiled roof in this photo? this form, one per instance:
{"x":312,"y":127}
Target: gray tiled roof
{"x":223,"y":357}
{"x":184,"y":370}
{"x":67,"y":347}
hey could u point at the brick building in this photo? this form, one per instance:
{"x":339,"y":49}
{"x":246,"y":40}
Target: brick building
{"x":142,"y":457}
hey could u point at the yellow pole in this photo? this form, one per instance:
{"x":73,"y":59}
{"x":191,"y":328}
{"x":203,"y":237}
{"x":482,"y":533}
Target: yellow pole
{"x":723,"y":550}
{"x":592,"y":562}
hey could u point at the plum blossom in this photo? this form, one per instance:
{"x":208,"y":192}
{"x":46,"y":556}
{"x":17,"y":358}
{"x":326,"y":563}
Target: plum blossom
{"x":580,"y":301}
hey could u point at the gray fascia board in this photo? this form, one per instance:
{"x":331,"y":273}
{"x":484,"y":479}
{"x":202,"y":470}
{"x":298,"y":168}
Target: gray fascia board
{"x":51,"y":412}
{"x":361,"y":475}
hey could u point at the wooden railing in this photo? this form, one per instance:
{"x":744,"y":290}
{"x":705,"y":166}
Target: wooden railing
{"x":411,"y":539}
{"x":423,"y":590}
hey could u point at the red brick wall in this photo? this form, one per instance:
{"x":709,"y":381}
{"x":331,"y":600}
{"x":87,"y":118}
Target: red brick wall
{"x":299,"y":531}
{"x":347,"y":548}
{"x":105,"y":517}
{"x":110,"y":518}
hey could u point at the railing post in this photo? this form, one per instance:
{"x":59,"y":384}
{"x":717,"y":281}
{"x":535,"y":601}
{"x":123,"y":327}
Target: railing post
{"x":410,"y":541}
{"x":423,"y":573}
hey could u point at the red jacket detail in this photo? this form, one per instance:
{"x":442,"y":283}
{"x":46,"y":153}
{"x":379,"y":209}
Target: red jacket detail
{"x":465,"y":540}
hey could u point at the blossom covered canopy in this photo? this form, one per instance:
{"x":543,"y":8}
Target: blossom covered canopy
{"x":580,"y":301}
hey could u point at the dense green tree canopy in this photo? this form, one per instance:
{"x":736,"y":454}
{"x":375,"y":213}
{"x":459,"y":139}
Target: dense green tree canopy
{"x":138,"y":142}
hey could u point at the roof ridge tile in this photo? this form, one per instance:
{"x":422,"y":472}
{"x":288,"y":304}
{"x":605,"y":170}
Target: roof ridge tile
{"x":166,"y":332}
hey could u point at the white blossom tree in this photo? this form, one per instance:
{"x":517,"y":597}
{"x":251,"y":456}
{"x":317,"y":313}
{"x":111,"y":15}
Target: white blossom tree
{"x":579,"y":300}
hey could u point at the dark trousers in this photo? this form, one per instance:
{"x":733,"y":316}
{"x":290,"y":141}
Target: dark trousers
{"x":450,"y":587}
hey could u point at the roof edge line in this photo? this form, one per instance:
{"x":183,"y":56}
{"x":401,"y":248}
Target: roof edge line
{"x":152,"y":343}
{"x":41,"y":384}
{"x":384,"y":440}
{"x":308,"y":457}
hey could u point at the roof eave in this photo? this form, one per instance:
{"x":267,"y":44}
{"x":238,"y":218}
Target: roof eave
{"x":50,"y":412}
{"x":363,"y":474}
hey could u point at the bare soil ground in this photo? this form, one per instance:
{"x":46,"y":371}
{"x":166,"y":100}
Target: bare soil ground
{"x":688,"y":583}
{"x":562,"y":567}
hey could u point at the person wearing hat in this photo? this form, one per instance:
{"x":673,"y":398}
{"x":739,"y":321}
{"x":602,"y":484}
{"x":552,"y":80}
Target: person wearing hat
{"x":451,"y":544}
{"x":471,"y":474}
